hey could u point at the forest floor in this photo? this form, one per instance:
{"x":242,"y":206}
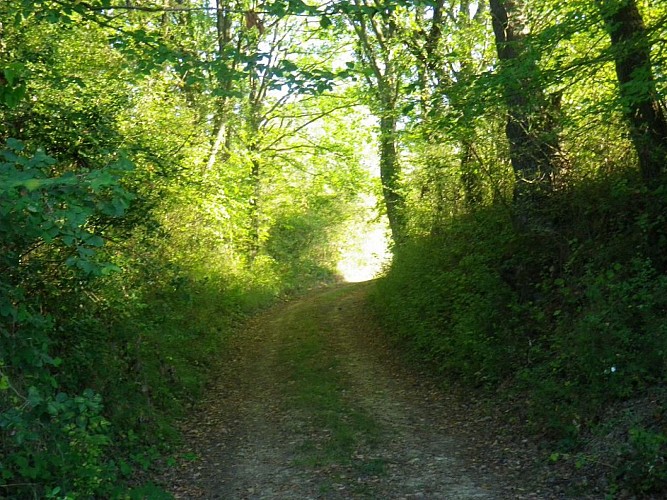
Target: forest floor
{"x":312,"y":401}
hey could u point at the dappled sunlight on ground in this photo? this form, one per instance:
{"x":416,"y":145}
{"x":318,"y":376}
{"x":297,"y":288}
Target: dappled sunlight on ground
{"x":365,"y":253}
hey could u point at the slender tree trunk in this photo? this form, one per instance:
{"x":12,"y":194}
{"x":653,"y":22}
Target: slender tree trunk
{"x":223,"y":137}
{"x":165,"y":17}
{"x":383,"y":83}
{"x":255,"y":178}
{"x":255,"y":96}
{"x":642,"y":108}
{"x":532,"y":141}
{"x":390,"y":175}
{"x":472,"y":188}
{"x":254,"y":200}
{"x":469,"y":174}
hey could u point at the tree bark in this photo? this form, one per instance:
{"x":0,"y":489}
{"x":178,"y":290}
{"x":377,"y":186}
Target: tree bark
{"x":472,"y":188}
{"x":533,"y":142}
{"x":253,"y":133}
{"x":390,"y":176}
{"x":253,"y":202}
{"x":223,"y":137}
{"x":375,"y":39}
{"x":642,"y":108}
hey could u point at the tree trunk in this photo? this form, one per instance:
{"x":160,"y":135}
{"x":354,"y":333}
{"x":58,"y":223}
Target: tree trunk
{"x":532,"y":140}
{"x":253,"y":202}
{"x":253,"y":124}
{"x":390,"y":176}
{"x":472,"y":188}
{"x":641,"y":106}
{"x":375,"y":39}
{"x":223,"y":137}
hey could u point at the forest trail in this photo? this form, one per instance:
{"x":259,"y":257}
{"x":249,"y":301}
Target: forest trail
{"x":310,"y":403}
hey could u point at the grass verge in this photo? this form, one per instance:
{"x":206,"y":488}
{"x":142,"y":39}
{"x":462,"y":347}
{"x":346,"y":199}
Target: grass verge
{"x":341,"y":435}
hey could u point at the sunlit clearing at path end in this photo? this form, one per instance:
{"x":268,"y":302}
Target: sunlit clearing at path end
{"x":365,"y":252}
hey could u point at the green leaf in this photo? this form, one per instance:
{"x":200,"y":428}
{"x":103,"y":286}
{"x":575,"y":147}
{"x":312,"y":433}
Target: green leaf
{"x":12,"y":96}
{"x":15,"y":144}
{"x":94,"y":240}
{"x":54,"y":492}
{"x":52,"y":408}
{"x":125,"y":468}
{"x":7,"y":309}
{"x":101,"y":180}
{"x":34,"y":397}
{"x":68,"y":239}
{"x":85,"y":252}
{"x":10,"y":76}
{"x":288,"y":65}
{"x":109,"y":269}
{"x":34,"y":184}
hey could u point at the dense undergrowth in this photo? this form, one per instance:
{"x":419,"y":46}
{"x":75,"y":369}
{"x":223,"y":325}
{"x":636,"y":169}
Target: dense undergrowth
{"x":568,"y":320}
{"x":110,"y":323}
{"x":114,"y":365}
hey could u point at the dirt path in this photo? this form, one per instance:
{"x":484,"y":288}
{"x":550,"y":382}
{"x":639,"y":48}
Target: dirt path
{"x":312,"y":404}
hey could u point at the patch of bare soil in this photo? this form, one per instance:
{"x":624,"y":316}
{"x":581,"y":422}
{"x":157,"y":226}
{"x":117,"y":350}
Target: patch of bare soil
{"x":247,"y":438}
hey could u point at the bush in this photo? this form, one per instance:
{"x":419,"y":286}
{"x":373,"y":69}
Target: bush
{"x":567,"y":320}
{"x":644,"y":465}
{"x":447,"y":296}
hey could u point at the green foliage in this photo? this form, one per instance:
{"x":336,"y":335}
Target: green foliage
{"x":57,"y":444}
{"x":612,"y":347}
{"x":124,"y":238}
{"x":14,"y":88}
{"x":452,"y":303}
{"x":644,"y":467}
{"x":567,"y":321}
{"x":52,"y":443}
{"x":300,"y":242}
